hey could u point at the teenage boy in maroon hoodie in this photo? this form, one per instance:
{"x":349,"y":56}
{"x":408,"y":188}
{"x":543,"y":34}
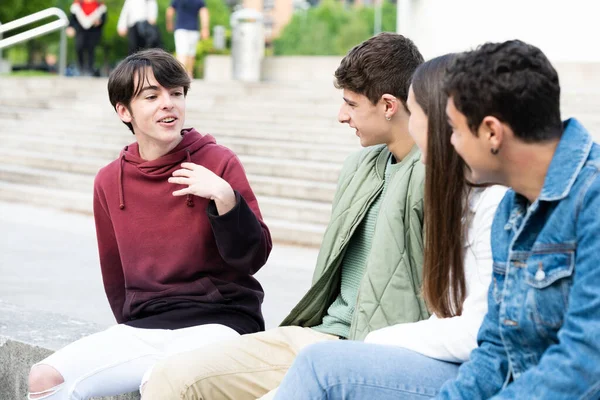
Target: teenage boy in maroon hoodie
{"x":179,"y":234}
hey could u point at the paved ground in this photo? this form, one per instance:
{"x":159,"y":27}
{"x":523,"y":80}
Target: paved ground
{"x":49,"y":264}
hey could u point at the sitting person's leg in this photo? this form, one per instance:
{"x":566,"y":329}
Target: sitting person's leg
{"x":355,"y":370}
{"x":114,"y":361}
{"x":105,"y":363}
{"x":244,"y":368}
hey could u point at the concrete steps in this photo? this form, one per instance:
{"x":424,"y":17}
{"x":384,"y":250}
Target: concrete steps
{"x":35,"y":169}
{"x":61,"y":199}
{"x":88,"y":157}
{"x":55,"y":136}
{"x":308,"y":233}
{"x":342,"y":136}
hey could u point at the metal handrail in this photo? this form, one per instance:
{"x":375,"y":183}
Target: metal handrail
{"x":58,"y":24}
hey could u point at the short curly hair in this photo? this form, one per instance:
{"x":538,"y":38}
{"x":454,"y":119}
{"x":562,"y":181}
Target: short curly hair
{"x":382,"y":64}
{"x":512,"y":81}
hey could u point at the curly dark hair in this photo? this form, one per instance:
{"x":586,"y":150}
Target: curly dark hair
{"x":382,"y":64}
{"x":512,"y":81}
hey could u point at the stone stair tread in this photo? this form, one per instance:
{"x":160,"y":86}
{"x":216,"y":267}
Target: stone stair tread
{"x":304,"y":204}
{"x":43,"y":192}
{"x":41,"y":172}
{"x":70,"y":175}
{"x":278,"y":132}
{"x":118,"y":137}
{"x":100,"y":162}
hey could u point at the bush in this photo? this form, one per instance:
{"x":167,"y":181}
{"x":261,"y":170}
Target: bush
{"x":331,"y":29}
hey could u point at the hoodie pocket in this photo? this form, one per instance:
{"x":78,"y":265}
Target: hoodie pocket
{"x":202,"y":290}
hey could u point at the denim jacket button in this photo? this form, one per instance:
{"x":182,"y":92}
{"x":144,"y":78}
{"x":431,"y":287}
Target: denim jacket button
{"x":540,"y":275}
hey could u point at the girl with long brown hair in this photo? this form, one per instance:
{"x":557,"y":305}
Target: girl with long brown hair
{"x":419,"y":357}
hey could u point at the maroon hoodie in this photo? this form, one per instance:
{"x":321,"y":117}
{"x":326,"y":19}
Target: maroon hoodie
{"x":172,"y":262}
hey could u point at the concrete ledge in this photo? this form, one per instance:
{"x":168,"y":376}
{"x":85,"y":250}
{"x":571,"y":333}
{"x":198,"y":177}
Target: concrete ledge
{"x":27,"y":337}
{"x":277,"y":68}
{"x":5,"y":66}
{"x":15,"y":360}
{"x":217,"y":68}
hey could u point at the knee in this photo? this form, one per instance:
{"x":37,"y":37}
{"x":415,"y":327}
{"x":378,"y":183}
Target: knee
{"x":313,"y":356}
{"x":44,"y":380}
{"x":319,"y":358}
{"x":160,"y":384}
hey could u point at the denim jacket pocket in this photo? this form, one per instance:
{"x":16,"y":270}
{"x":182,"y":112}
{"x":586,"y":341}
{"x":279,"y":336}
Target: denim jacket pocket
{"x":549,"y":278}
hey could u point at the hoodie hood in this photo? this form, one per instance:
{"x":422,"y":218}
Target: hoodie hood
{"x":192,"y":142}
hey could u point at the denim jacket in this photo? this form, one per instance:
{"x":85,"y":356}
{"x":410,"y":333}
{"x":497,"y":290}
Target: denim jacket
{"x":541,"y":336}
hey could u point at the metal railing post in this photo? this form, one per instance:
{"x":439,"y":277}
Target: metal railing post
{"x":62,"y":60}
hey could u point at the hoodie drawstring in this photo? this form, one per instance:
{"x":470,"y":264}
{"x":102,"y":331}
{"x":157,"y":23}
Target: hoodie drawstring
{"x":190,"y":199}
{"x":121,"y":195}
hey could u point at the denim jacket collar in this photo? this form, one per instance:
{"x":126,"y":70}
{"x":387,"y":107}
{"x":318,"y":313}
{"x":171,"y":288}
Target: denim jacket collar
{"x":572,"y":152}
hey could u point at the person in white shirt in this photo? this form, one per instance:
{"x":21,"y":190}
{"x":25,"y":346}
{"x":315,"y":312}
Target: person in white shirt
{"x":137,"y":21}
{"x":413,"y":360}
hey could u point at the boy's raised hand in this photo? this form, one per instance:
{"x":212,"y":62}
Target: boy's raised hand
{"x":202,"y":182}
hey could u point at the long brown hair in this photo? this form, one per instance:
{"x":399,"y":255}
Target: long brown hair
{"x":446,"y":193}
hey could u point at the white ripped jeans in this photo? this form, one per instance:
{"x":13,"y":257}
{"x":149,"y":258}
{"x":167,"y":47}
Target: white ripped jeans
{"x":120,"y":359}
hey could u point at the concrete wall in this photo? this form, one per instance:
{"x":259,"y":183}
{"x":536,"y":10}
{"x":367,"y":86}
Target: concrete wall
{"x":5,"y":66}
{"x":573,"y":75}
{"x":566,"y":31}
{"x":27,"y":337}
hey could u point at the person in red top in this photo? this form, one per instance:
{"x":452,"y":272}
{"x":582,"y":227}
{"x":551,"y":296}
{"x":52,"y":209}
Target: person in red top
{"x":85,"y":24}
{"x":180,"y":235}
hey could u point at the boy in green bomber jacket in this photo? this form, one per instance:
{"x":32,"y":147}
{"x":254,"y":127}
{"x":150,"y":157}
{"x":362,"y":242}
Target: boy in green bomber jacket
{"x":369,"y":268}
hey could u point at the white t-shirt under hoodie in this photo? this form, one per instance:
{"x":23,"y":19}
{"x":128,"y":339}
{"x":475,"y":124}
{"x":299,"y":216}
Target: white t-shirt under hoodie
{"x":453,"y":339}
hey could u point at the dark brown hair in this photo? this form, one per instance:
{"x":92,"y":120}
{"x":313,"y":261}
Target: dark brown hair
{"x":382,"y":64}
{"x":446,"y":193}
{"x":167,"y":70}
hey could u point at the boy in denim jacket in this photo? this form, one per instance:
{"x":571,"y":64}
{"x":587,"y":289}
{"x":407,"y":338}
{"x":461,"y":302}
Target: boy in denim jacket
{"x":541,"y":336}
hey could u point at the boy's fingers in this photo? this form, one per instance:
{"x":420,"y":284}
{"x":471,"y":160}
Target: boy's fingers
{"x":182,"y":172}
{"x":180,"y":181}
{"x":189,"y":165}
{"x":181,"y":192}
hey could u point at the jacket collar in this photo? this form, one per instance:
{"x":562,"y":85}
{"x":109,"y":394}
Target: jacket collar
{"x":570,"y":156}
{"x":385,"y":155}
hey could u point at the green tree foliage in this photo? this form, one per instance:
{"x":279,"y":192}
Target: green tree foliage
{"x":331,"y":28}
{"x":9,"y":9}
{"x":219,"y":13}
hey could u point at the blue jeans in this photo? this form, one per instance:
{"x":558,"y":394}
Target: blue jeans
{"x":356,"y":370}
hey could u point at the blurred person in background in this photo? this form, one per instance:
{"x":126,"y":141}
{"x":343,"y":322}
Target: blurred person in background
{"x":138,"y":22}
{"x":187,"y":29}
{"x":85,"y":24}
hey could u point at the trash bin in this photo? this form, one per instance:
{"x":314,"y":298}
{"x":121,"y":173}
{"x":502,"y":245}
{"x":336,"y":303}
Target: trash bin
{"x":247,"y":44}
